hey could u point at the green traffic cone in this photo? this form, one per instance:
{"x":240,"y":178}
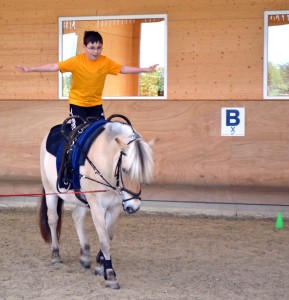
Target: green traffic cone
{"x":279,"y":222}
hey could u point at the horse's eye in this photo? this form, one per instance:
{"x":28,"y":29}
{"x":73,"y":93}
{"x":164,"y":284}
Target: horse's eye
{"x":124,"y":170}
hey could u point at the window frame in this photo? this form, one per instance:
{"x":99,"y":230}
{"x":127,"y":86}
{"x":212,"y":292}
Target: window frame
{"x":265,"y":59}
{"x":116,"y":17}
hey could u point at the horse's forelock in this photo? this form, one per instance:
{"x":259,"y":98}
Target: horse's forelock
{"x":140,"y":161}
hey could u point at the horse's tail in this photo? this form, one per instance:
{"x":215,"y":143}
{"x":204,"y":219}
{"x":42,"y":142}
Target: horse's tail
{"x":43,"y":219}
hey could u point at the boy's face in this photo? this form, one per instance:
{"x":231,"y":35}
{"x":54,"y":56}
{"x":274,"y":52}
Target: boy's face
{"x":93,"y":50}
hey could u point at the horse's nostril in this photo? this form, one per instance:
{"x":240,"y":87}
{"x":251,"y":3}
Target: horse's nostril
{"x":129,"y":210}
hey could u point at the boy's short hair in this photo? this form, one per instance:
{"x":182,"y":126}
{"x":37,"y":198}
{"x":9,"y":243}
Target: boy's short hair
{"x":92,"y":37}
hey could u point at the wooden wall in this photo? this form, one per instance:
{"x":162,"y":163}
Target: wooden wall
{"x":215,"y":59}
{"x":215,"y":48}
{"x":193,"y":162}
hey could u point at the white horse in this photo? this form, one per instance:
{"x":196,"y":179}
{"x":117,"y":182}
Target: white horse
{"x":119,"y":160}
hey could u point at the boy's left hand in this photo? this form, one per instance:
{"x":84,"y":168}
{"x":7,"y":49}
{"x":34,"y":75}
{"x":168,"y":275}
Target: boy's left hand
{"x":152,"y":68}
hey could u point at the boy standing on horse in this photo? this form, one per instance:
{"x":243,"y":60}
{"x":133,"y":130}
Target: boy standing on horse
{"x":89,"y":72}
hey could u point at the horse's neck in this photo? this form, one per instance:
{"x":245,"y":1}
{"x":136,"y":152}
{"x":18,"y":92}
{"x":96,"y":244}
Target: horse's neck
{"x":103,"y":153}
{"x":104,"y":150}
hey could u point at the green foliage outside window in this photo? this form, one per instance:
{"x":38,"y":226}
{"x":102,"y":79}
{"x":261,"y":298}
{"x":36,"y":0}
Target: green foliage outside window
{"x":66,"y":84}
{"x":152,"y":84}
{"x":278,"y":80}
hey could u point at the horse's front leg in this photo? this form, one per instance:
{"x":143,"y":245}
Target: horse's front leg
{"x":78,"y":216}
{"x":111,"y":217}
{"x":98,"y":216}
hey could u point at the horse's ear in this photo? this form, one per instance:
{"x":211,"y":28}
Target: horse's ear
{"x":153,"y":141}
{"x":123,"y":146}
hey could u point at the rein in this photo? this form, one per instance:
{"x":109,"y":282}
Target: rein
{"x":48,"y":194}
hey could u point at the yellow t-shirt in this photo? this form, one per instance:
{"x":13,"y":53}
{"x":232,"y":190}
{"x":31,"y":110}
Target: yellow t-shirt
{"x":88,"y":78}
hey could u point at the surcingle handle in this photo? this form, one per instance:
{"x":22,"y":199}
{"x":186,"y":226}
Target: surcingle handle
{"x":65,"y":123}
{"x":119,"y":116}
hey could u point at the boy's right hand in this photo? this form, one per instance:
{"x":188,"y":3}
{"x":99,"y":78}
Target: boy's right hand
{"x":22,"y":68}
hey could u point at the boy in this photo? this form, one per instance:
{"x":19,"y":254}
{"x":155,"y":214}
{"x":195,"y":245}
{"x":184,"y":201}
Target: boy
{"x":89,"y":72}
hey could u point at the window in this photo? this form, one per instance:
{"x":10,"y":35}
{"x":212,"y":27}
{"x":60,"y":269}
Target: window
{"x":276,"y":55}
{"x":136,"y":40}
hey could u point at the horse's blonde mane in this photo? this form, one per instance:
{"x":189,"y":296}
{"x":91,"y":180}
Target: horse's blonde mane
{"x":139,"y":157}
{"x":139,"y":161}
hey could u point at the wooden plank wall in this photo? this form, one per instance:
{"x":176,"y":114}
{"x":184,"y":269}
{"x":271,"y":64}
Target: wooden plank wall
{"x":215,"y":48}
{"x":193,"y":162}
{"x":215,"y":59}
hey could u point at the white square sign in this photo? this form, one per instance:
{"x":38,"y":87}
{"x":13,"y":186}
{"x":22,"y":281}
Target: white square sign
{"x":233,"y":121}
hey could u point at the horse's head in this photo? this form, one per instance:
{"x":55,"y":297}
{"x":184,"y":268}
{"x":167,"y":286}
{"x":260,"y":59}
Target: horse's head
{"x":134,"y":167}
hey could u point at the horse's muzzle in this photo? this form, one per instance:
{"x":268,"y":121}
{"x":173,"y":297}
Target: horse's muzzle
{"x":130,"y":210}
{"x":131,"y":206}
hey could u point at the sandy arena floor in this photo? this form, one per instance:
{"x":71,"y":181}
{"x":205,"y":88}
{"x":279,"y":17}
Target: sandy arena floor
{"x":155,"y":256}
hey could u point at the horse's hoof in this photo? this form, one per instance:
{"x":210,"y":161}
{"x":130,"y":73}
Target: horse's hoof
{"x":112,"y":284}
{"x":85,"y":264}
{"x":99,"y":270}
{"x":111,"y":281}
{"x":56,"y":260}
{"x":55,"y":257}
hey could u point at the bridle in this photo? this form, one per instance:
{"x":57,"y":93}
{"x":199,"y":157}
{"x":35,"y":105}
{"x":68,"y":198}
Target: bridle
{"x":119,"y":187}
{"x":118,"y":179}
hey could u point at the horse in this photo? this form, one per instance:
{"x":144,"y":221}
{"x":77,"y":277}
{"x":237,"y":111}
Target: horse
{"x":117,"y":159}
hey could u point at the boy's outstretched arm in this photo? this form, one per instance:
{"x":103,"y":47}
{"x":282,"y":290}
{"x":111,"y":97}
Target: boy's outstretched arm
{"x":136,"y":70}
{"x":43,"y":68}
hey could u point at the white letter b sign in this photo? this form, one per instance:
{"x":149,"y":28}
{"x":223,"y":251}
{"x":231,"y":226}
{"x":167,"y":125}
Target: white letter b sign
{"x":233,"y":121}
